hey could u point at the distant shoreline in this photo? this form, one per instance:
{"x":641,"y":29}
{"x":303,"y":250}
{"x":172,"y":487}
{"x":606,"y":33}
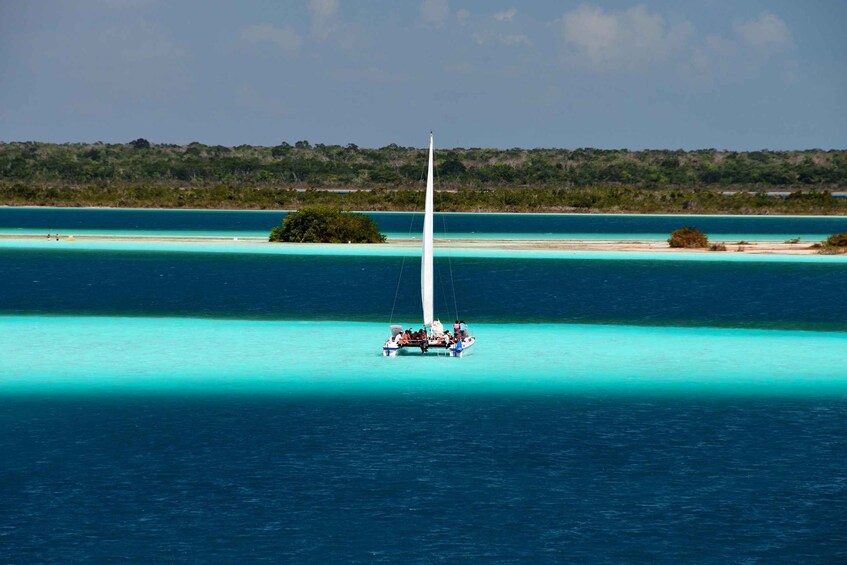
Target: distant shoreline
{"x":765,"y":214}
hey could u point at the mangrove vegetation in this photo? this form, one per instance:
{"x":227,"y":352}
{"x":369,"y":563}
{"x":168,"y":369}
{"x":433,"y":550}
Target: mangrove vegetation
{"x":321,"y":224}
{"x":688,"y":238}
{"x":288,"y":176}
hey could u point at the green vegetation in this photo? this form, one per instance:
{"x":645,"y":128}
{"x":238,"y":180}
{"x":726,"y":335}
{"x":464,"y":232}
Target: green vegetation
{"x":545,"y":199}
{"x":833,"y":245}
{"x":689,"y":238}
{"x":717,"y":247}
{"x":143,"y":174}
{"x":326,"y":225}
{"x":392,"y":166}
{"x":837,"y":240}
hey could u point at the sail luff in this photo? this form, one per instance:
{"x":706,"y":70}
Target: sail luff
{"x":426,"y":257}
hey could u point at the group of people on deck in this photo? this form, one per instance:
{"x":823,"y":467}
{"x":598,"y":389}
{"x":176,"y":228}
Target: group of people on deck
{"x":460,"y":331}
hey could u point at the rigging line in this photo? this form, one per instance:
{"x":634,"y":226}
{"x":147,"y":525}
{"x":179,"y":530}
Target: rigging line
{"x":397,"y":291}
{"x":403,"y":263}
{"x":450,"y":267}
{"x":449,"y":260}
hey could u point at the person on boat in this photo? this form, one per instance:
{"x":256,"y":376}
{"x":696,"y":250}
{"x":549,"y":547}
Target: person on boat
{"x":456,"y":327}
{"x":463,"y":329}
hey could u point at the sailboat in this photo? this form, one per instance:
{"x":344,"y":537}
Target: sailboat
{"x":435,"y":339}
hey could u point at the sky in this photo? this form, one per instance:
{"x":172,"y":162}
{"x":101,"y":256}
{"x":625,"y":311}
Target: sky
{"x":661,"y":74}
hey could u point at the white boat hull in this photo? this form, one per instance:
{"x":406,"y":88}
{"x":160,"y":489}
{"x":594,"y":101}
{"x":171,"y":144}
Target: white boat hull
{"x":392,"y":349}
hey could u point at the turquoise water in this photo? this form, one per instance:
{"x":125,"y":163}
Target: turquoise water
{"x":413,"y":251}
{"x":228,"y":402}
{"x":184,"y":355}
{"x":394,"y":235}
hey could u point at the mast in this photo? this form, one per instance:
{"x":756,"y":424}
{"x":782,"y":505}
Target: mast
{"x":426,"y":258}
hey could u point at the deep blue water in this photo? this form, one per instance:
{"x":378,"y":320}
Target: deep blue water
{"x":412,"y":474}
{"x":779,"y":295}
{"x":70,"y":220}
{"x":447,"y":478}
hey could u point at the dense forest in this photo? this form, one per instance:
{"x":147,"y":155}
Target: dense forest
{"x":140,"y":173}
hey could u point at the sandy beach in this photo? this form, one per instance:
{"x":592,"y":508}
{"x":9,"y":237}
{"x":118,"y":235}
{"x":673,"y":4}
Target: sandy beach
{"x":609,"y":245}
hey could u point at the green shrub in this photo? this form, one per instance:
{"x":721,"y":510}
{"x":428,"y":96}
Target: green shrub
{"x":688,"y":238}
{"x":322,"y":224}
{"x":837,"y":240}
{"x":717,"y":247}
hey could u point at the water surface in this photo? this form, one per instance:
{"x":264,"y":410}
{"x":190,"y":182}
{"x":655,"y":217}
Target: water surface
{"x":247,"y":223}
{"x":770,"y":294}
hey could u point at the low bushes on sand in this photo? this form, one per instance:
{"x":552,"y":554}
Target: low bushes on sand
{"x":833,"y":245}
{"x":688,"y":238}
{"x":837,"y":239}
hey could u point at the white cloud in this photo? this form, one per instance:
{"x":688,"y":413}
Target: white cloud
{"x":462,"y":16}
{"x":323,"y":8}
{"x":506,"y":15}
{"x":324,"y":17}
{"x":434,"y":12}
{"x":767,"y":32}
{"x":742,"y":55}
{"x":286,"y":39}
{"x":712,"y":60}
{"x":369,"y":75}
{"x":620,"y":39}
{"x":514,"y":40}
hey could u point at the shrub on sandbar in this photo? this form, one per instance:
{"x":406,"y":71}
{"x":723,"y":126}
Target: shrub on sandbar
{"x":837,"y":239}
{"x":688,"y":238}
{"x":322,"y":224}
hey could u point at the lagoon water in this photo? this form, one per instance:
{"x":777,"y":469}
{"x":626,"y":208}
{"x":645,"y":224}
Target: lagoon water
{"x":164,"y":404}
{"x":246,"y":223}
{"x":797,"y":294}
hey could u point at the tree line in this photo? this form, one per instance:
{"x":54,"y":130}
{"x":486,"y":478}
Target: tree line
{"x":324,"y":166}
{"x":519,"y":199}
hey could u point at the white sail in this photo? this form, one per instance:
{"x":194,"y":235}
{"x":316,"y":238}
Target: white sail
{"x":426,"y":259}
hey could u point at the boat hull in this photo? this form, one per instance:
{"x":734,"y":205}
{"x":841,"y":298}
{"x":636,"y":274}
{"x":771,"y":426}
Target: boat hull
{"x":391,"y":349}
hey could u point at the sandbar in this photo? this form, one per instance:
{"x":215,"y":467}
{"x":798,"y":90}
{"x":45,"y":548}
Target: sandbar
{"x":754,"y":247}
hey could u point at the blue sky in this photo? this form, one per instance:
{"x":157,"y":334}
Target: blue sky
{"x":612,"y":74}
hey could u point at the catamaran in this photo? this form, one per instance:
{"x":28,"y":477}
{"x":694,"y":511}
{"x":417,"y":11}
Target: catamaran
{"x":435,"y":339}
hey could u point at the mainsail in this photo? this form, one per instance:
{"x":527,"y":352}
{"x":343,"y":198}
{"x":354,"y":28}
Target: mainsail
{"x":426,"y":259}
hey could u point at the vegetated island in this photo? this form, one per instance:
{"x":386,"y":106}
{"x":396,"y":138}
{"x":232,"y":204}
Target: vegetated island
{"x":320,"y":224}
{"x":692,"y":238}
{"x":143,"y":174}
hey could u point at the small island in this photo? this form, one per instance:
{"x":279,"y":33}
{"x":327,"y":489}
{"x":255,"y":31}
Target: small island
{"x":321,"y":224}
